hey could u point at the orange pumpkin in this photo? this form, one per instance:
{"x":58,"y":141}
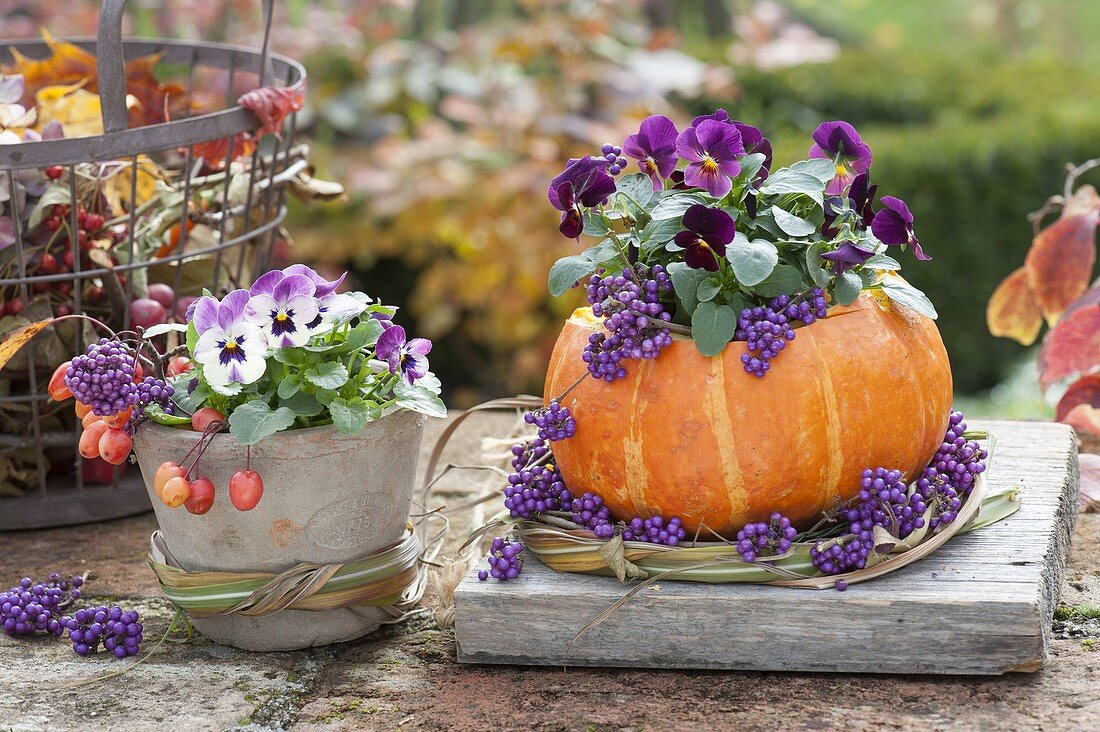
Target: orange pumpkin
{"x":696,"y":437}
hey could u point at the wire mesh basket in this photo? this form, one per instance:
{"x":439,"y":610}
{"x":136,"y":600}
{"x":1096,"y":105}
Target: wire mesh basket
{"x":227,"y":216}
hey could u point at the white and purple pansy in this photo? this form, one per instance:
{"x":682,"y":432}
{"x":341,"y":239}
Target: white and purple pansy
{"x":230,"y":348}
{"x":409,"y":359}
{"x":332,"y":307}
{"x":283,"y":306}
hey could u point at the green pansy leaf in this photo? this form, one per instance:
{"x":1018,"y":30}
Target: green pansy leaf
{"x":255,"y":420}
{"x":325,"y":395}
{"x":351,"y":415}
{"x":783,"y":280}
{"x":231,"y":389}
{"x":594,"y":225}
{"x":638,"y":186}
{"x":821,"y":168}
{"x":818,"y":274}
{"x":708,"y":288}
{"x":900,"y":291}
{"x":364,"y":334}
{"x":685,"y":282}
{"x":418,"y":399}
{"x":328,"y":375}
{"x":882,"y":261}
{"x":567,"y":271}
{"x":786,"y":180}
{"x":291,"y":356}
{"x":764,"y":220}
{"x":192,"y":337}
{"x":752,"y":260}
{"x":750,"y":166}
{"x":673,"y":207}
{"x":791,"y":224}
{"x":288,"y":387}
{"x":846,"y":288}
{"x":712,"y":327}
{"x":302,"y":404}
{"x":659,"y":233}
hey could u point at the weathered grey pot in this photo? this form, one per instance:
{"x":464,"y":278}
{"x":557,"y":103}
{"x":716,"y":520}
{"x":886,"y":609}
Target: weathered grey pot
{"x":328,"y":497}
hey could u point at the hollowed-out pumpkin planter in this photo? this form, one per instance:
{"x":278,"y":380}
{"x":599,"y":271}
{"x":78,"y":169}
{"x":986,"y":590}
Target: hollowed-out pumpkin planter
{"x":754,"y":393}
{"x":697,"y":437}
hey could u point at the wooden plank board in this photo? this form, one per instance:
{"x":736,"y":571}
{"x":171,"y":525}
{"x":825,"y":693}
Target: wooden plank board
{"x":982,"y":604}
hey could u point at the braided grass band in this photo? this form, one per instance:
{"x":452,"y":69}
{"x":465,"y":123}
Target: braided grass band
{"x":384,"y":578}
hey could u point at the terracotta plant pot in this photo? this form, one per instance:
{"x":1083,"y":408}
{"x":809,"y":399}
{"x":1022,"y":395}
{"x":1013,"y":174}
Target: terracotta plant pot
{"x":328,"y":497}
{"x":696,"y":437}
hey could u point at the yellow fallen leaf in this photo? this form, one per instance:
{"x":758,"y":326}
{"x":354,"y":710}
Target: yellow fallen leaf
{"x":116,"y":188}
{"x":19,"y":338}
{"x":75,"y":108}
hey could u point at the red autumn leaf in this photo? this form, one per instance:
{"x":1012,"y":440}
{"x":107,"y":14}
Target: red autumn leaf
{"x":271,"y":105}
{"x":1012,"y":311}
{"x":215,"y":152}
{"x":1059,"y":263}
{"x":1085,"y":390}
{"x":1071,"y":347}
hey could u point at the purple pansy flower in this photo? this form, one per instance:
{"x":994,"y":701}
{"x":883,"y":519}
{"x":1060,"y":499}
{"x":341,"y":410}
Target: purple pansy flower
{"x":409,"y":359}
{"x":709,"y":230}
{"x":712,"y":150}
{"x":283,"y":307}
{"x":838,"y":141}
{"x":861,"y":194}
{"x":583,"y":183}
{"x":893,"y":225}
{"x":230,"y":348}
{"x":752,"y":139}
{"x":654,"y":147}
{"x":846,"y":256}
{"x":332,"y":306}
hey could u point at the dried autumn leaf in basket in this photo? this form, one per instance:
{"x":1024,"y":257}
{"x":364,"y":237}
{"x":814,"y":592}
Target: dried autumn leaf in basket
{"x":271,"y":105}
{"x":153,"y":100}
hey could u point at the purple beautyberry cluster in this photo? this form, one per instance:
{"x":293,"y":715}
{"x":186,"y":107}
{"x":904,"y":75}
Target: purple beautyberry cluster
{"x":103,"y":377}
{"x":525,"y":454}
{"x":535,"y":489}
{"x":153,"y":390}
{"x":633,"y":317}
{"x":505,"y":560}
{"x":589,"y":512}
{"x":950,"y":475}
{"x":774,"y":536}
{"x":32,"y":607}
{"x":767,"y":330}
{"x":120,"y":632}
{"x":613,"y":154}
{"x":653,"y":530}
{"x":883,"y":501}
{"x":555,"y":422}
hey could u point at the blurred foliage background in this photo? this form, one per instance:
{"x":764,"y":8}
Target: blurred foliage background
{"x":446,"y":119}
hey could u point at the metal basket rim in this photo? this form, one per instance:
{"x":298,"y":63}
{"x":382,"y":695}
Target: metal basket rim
{"x":147,"y":138}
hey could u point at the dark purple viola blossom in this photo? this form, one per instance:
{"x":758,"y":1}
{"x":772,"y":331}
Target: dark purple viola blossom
{"x":584,"y":182}
{"x":846,"y":256}
{"x":709,"y":230}
{"x":838,"y":141}
{"x":893,"y":225}
{"x":713,"y":151}
{"x":861,"y":194}
{"x":654,"y":147}
{"x":409,"y":359}
{"x":752,"y":139}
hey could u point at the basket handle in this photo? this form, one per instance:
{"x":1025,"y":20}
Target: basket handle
{"x":111,"y":62}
